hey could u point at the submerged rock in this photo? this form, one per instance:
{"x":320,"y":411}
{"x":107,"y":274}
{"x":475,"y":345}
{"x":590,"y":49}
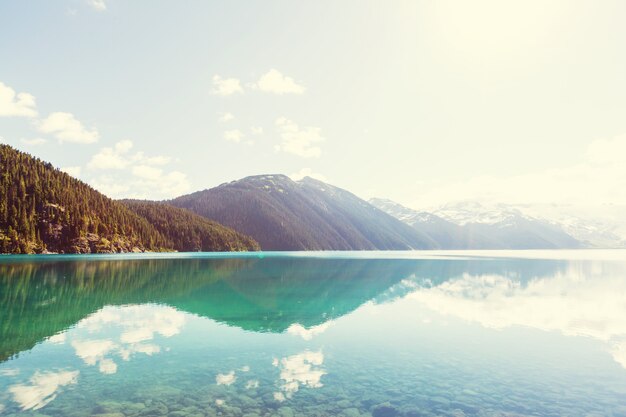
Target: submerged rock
{"x":351,"y":412}
{"x":285,"y":412}
{"x":384,"y":410}
{"x":108,"y":415}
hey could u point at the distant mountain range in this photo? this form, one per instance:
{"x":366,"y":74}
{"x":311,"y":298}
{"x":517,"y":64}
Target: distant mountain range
{"x":45,"y":210}
{"x":473,"y":225}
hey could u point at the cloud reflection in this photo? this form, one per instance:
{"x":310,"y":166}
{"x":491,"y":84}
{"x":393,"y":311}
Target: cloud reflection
{"x":226,"y":379}
{"x":136,"y":325}
{"x":297,"y":329}
{"x":58,"y":339}
{"x":574,"y":303}
{"x":252,"y":384}
{"x":42,"y":389}
{"x":92,"y":351}
{"x":302,"y":369}
{"x":9,"y":372}
{"x":618,"y":351}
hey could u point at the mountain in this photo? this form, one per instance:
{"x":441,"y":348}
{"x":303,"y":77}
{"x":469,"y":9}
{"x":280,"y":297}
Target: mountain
{"x":595,"y":226}
{"x":592,"y":226}
{"x":474,"y":226}
{"x":447,"y":235}
{"x":282,"y":214}
{"x":189,"y":232}
{"x":45,"y":210}
{"x":557,"y":224}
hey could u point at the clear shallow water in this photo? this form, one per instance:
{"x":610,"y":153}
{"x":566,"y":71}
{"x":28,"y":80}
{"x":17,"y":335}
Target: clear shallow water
{"x":480,"y":334}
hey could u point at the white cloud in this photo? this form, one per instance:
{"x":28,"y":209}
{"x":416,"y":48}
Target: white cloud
{"x":98,"y":5}
{"x":167,"y":185}
{"x":172,"y":184}
{"x":66,"y":128}
{"x":123,"y":146}
{"x":226,"y":379}
{"x":599,"y":179}
{"x":138,"y":178}
{"x":74,"y":171}
{"x":139,"y":157}
{"x":16,"y":105}
{"x":307,"y":172}
{"x":42,"y":389}
{"x":226,"y":86}
{"x":147,"y":172}
{"x":112,"y":157}
{"x":33,"y":141}
{"x":256,"y":130}
{"x":298,"y":141}
{"x":275,"y":82}
{"x":234,"y":135}
{"x":226,"y":117}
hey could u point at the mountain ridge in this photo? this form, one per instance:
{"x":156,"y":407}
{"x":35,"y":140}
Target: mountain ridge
{"x":283,"y":214}
{"x":44,"y":210}
{"x":472,"y":229}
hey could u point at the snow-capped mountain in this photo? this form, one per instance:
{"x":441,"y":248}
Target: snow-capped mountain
{"x":402,"y":213}
{"x":598,"y":227}
{"x":471,"y":225}
{"x":445,"y":234}
{"x":474,"y":212}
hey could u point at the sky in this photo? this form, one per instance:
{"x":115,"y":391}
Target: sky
{"x":423,"y":102}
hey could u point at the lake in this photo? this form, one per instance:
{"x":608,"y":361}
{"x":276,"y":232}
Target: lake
{"x":528,"y":333}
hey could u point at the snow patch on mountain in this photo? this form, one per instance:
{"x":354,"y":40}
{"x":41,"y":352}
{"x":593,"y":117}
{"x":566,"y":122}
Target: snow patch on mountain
{"x":474,"y":212}
{"x":601,"y":227}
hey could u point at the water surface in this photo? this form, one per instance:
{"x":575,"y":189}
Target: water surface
{"x":352,"y":334}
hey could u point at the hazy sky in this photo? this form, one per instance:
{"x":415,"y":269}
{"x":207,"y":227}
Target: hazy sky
{"x":422,"y":102}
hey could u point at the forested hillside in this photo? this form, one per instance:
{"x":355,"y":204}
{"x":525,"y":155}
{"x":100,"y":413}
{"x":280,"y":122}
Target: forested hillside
{"x":45,"y":210}
{"x":189,"y":232}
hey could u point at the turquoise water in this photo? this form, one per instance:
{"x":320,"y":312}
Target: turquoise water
{"x":351,"y":334}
